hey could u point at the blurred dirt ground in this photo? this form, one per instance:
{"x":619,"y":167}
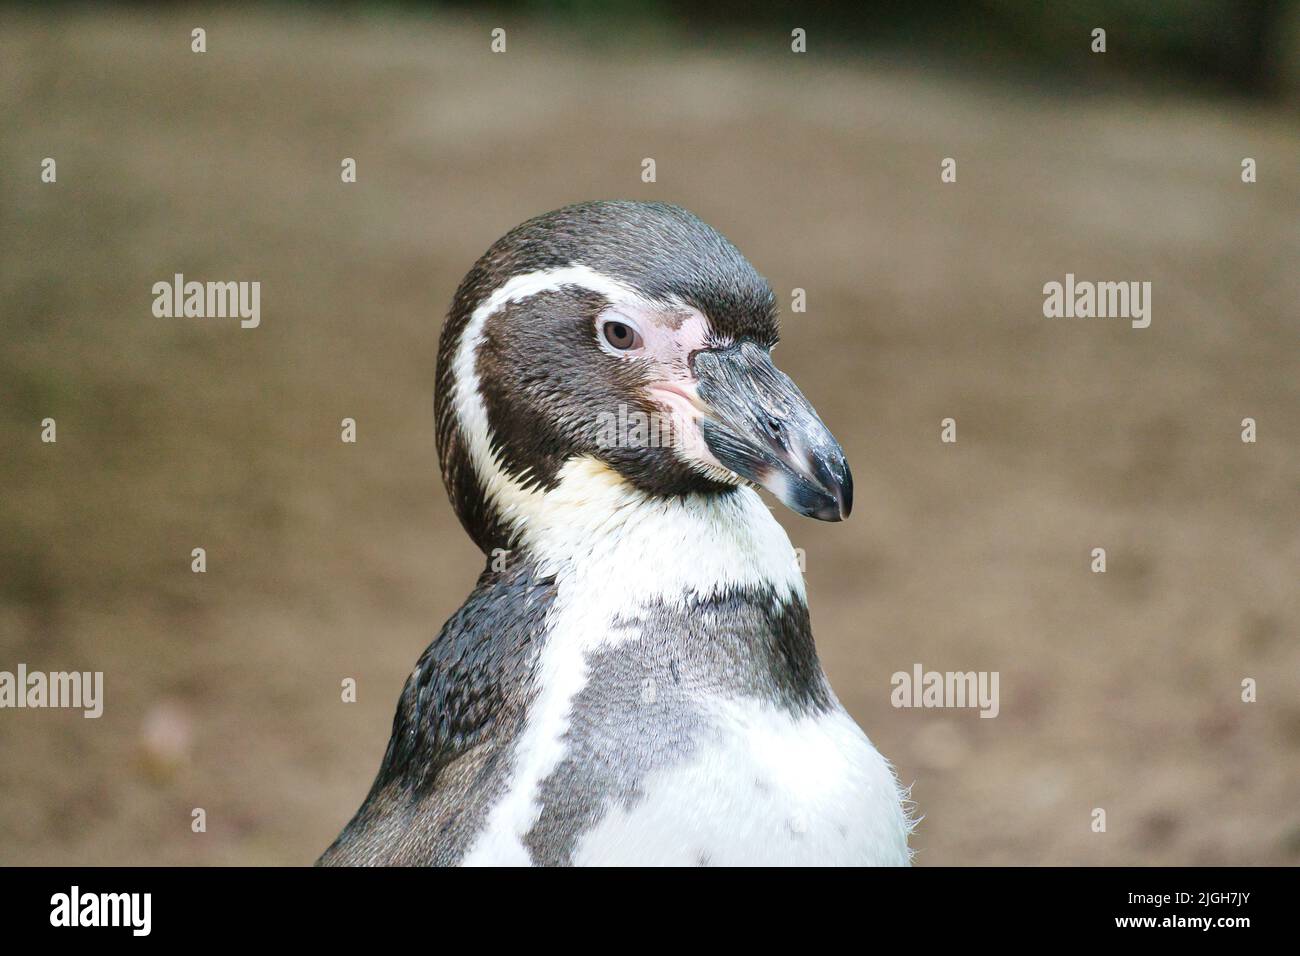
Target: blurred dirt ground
{"x":327,"y":561}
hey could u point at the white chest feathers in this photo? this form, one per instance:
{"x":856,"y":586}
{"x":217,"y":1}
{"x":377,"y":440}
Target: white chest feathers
{"x":757,"y":782}
{"x":767,"y":789}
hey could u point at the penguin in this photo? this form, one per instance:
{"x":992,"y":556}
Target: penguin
{"x":633,"y":680}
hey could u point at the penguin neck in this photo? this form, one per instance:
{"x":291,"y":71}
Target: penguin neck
{"x":708,"y":579}
{"x":594,"y":526}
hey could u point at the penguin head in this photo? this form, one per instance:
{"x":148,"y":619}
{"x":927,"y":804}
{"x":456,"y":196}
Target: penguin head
{"x":634,"y":336}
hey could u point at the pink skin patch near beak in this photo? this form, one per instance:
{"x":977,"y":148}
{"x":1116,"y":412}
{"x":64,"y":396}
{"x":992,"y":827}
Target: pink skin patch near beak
{"x":687,"y":409}
{"x":670,"y":335}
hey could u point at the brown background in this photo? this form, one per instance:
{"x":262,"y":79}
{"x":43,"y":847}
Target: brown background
{"x":328,"y":560}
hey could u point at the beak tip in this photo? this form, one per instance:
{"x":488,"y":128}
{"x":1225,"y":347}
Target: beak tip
{"x":837,"y":490}
{"x":837,"y":509}
{"x":845,"y":494}
{"x":821,"y":489}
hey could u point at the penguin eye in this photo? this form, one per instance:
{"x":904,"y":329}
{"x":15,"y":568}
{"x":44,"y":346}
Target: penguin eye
{"x":621,"y":336}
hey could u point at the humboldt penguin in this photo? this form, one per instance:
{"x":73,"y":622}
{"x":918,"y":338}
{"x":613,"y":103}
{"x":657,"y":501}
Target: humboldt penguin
{"x":633,"y":679}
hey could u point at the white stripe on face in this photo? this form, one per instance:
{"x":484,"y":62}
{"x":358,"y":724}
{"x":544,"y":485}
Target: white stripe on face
{"x":499,"y":487}
{"x":592,"y":501}
{"x":515,"y":500}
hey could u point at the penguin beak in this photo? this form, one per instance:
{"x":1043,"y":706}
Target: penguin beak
{"x":757,"y":423}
